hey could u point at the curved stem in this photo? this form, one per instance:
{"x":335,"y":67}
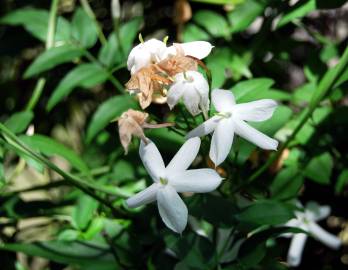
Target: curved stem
{"x":90,"y":13}
{"x":49,"y":44}
{"x":84,"y":186}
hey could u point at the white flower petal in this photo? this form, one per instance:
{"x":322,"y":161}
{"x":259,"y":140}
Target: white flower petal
{"x":204,"y":128}
{"x":197,"y":49}
{"x":296,"y":249}
{"x":172,"y":209}
{"x":221,"y":141}
{"x":152,"y":160}
{"x":315,"y":212}
{"x":253,"y":135}
{"x":259,"y":110}
{"x":198,"y":181}
{"x":195,"y":91}
{"x":323,"y":236}
{"x":146,"y":196}
{"x":145,"y":53}
{"x":184,"y":157}
{"x":174,"y":94}
{"x":223,"y":100}
{"x":324,"y":212}
{"x":191,"y":100}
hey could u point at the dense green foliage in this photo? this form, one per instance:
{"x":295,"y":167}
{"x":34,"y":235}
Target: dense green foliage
{"x":64,"y":177}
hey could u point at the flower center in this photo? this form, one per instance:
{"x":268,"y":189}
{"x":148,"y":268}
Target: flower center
{"x":163,"y":181}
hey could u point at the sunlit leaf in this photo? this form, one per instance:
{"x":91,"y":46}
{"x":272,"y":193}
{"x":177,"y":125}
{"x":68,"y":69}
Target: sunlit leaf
{"x":83,"y":29}
{"x":50,"y":147}
{"x":244,"y":14}
{"x":19,"y":121}
{"x":213,"y":22}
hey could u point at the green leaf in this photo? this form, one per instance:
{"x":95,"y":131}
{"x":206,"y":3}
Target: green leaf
{"x":166,"y":139}
{"x":287,"y":183}
{"x":244,"y":14}
{"x":108,"y":111}
{"x":85,"y":254}
{"x":83,"y":29}
{"x":245,"y":91}
{"x":213,"y":22}
{"x":35,"y":21}
{"x":84,"y":211}
{"x":342,"y":182}
{"x":192,"y":33}
{"x":111,"y":54}
{"x":299,"y":10}
{"x":19,"y":121}
{"x":53,"y":57}
{"x":266,"y":213}
{"x":217,"y":210}
{"x":68,"y":235}
{"x":48,"y":146}
{"x":319,"y":168}
{"x":84,"y":75}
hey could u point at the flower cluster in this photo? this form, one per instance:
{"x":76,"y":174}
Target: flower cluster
{"x":165,"y":74}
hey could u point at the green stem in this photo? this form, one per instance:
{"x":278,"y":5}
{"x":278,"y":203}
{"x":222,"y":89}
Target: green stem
{"x":325,"y":86}
{"x":49,"y":44}
{"x":112,"y":79}
{"x":90,"y":13}
{"x":40,"y":84}
{"x":85,"y":186}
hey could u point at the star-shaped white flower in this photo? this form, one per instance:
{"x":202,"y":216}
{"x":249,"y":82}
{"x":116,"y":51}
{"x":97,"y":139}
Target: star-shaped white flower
{"x":307,"y":221}
{"x":193,"y":88}
{"x":231,"y":119}
{"x":170,"y":180}
{"x":154,"y":51}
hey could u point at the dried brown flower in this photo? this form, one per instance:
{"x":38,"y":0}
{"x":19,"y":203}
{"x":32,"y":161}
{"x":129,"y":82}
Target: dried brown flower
{"x":150,"y":82}
{"x":131,"y":123}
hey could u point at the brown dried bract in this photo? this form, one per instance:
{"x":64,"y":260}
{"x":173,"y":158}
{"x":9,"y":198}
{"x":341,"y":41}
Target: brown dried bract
{"x":177,"y":64}
{"x":147,"y":81}
{"x":130,"y":123}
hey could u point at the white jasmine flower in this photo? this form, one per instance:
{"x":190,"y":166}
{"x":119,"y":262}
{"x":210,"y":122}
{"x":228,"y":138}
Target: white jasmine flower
{"x":193,"y":88}
{"x":170,"y":180}
{"x":197,"y":49}
{"x":307,"y":221}
{"x":231,"y":119}
{"x":146,"y":53}
{"x":154,"y":51}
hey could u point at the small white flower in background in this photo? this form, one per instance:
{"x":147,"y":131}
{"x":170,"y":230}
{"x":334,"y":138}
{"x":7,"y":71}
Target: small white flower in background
{"x":307,"y":221}
{"x":193,"y":88}
{"x":170,"y":180}
{"x":115,"y":9}
{"x":154,"y":51}
{"x":231,"y":119}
